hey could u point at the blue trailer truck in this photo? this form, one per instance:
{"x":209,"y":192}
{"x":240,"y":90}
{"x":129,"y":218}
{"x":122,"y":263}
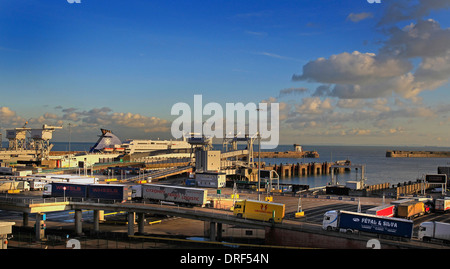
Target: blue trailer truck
{"x":88,"y":191}
{"x":346,"y":221}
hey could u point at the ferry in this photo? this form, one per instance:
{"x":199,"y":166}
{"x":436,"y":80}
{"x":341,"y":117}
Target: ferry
{"x":109,"y":142}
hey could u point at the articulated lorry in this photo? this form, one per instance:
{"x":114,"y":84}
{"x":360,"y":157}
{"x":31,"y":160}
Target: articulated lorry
{"x":173,"y":194}
{"x":350,"y":222}
{"x":259,"y":210}
{"x":433,"y":230}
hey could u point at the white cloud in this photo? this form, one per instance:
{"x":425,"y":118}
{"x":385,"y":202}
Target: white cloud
{"x":352,"y":68}
{"x":314,"y":105}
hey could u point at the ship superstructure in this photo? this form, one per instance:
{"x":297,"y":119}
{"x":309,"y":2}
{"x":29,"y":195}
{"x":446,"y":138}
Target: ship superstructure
{"x":108,"y":142}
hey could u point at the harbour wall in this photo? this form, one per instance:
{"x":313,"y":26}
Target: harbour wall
{"x":305,"y":169}
{"x":417,"y":154}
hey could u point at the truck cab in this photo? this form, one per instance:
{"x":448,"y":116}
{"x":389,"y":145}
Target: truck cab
{"x":136,"y":192}
{"x":426,"y":231}
{"x":47,"y":191}
{"x":330,"y":219}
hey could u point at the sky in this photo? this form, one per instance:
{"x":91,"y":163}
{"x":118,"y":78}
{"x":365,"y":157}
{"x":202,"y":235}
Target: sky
{"x":344,"y":72}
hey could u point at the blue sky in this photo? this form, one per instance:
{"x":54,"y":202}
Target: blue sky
{"x":122,"y":65}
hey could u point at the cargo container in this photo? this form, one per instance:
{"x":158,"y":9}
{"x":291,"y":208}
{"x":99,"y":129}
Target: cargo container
{"x":434,"y":230}
{"x":349,"y":222}
{"x":353,"y":185}
{"x":442,"y":204}
{"x":167,"y":193}
{"x":65,"y":189}
{"x":259,"y":210}
{"x":109,"y":192}
{"x":7,"y":170}
{"x":37,"y":184}
{"x":410,"y":210}
{"x":382,"y":210}
{"x":87,"y":191}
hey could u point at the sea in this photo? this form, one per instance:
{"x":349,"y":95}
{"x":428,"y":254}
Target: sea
{"x":378,"y":168}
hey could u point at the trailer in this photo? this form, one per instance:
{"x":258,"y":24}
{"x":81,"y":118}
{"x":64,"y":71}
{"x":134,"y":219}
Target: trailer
{"x":36,"y":185}
{"x":71,"y":178}
{"x":167,"y":193}
{"x":442,"y":204}
{"x":350,"y":222}
{"x":431,"y":230}
{"x":259,"y":210}
{"x":410,"y":210}
{"x":109,"y":192}
{"x":382,"y":210}
{"x":65,"y":189}
{"x":88,"y":191}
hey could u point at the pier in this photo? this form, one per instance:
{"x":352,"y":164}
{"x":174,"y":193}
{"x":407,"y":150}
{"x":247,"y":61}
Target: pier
{"x":306,"y":169}
{"x":417,"y":154}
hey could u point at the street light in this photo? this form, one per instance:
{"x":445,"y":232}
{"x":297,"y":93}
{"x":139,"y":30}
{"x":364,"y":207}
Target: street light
{"x":64,"y":188}
{"x":259,"y":158}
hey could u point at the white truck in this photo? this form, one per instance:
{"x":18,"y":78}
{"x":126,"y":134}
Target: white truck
{"x":434,"y":230}
{"x":442,"y":204}
{"x":167,"y":193}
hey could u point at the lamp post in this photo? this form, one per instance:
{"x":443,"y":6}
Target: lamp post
{"x":259,"y":166}
{"x":64,"y":188}
{"x":259,"y":157}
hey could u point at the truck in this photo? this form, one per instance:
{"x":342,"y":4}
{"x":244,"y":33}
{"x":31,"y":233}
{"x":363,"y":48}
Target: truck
{"x":87,"y":191}
{"x":259,"y":210}
{"x":168,"y":193}
{"x":382,"y":210}
{"x":350,"y":222}
{"x":442,"y":204}
{"x":410,"y":210}
{"x":433,"y":230}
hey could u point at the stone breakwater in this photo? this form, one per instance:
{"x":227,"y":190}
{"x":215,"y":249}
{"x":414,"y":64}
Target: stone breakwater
{"x":417,"y":154}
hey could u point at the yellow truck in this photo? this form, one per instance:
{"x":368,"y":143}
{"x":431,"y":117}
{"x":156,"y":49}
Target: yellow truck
{"x":410,"y":210}
{"x":259,"y":210}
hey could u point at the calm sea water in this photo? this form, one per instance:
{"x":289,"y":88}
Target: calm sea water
{"x":378,"y":168}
